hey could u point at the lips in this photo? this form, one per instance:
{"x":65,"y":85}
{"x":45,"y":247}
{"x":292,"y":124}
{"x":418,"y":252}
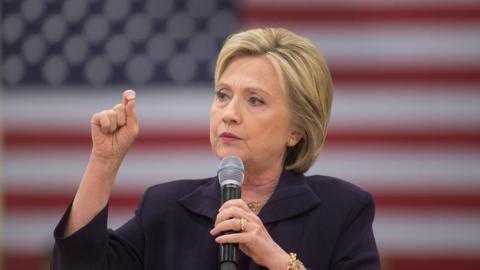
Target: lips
{"x":227,"y":136}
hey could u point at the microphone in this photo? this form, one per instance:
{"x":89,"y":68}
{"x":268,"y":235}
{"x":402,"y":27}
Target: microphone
{"x":230,"y":175}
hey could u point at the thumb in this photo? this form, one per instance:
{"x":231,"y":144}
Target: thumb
{"x":129,"y":103}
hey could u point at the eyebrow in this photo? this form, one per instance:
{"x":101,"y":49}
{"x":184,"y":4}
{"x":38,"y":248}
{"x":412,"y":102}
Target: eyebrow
{"x":256,"y":89}
{"x":248,"y":88}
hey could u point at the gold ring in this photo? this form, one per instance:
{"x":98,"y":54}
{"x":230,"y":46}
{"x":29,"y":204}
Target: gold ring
{"x":243,"y":224}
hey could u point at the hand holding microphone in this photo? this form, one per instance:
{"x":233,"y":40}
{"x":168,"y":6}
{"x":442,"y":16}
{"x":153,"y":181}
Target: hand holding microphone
{"x":237,"y":227}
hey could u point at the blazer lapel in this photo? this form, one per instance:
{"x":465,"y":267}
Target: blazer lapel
{"x":204,"y":200}
{"x":292,"y":197}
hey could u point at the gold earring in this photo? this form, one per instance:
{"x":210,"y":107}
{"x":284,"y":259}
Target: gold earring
{"x":291,"y":142}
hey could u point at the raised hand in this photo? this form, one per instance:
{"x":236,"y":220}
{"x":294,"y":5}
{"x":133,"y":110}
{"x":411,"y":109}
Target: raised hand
{"x":113,"y":131}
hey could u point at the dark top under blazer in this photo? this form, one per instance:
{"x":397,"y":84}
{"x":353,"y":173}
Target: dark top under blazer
{"x":326,"y":221}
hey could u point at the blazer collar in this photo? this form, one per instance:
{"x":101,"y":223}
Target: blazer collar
{"x":292,"y":197}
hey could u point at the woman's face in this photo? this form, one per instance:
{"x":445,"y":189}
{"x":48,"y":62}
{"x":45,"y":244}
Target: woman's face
{"x":249,"y":114}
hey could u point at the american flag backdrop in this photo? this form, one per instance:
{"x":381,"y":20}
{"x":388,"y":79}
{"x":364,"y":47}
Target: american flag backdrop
{"x":405,"y":123}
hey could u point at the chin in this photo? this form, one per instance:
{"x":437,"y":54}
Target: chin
{"x":223,"y":152}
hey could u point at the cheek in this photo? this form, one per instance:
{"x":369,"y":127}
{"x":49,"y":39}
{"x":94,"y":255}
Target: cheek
{"x":213,"y":116}
{"x":213,"y":124}
{"x":277,"y":131}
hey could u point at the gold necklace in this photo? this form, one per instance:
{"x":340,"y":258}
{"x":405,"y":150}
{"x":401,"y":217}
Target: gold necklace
{"x":255,"y":206}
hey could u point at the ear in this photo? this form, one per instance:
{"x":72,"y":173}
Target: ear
{"x":294,"y":138}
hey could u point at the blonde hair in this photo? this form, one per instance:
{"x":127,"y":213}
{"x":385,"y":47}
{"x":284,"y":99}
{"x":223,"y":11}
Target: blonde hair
{"x":305,"y":77}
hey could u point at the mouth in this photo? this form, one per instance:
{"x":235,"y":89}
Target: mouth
{"x":227,"y":136}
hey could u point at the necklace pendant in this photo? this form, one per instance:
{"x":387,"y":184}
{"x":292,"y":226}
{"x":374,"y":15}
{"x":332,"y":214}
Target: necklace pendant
{"x":253,"y":206}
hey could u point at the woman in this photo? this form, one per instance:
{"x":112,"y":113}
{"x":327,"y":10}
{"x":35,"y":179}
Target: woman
{"x":273,"y":94}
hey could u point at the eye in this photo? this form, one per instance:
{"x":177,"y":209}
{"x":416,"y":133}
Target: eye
{"x":256,"y":101}
{"x":221,"y":95}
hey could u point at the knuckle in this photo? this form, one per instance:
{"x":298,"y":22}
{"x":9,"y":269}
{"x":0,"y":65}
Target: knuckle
{"x":227,"y":203}
{"x":219,"y":218}
{"x":118,"y":107}
{"x":103,"y":119}
{"x":95,"y":117}
{"x":110,"y":113}
{"x":98,"y":115}
{"x":226,"y":211}
{"x":227,"y":214}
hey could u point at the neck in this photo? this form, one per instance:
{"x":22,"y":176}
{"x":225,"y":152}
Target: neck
{"x":259,"y":185}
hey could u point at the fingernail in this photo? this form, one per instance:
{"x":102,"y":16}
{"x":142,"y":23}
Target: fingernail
{"x":131,"y":95}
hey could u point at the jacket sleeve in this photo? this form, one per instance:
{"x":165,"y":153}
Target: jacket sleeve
{"x":356,"y":248}
{"x":98,"y":248}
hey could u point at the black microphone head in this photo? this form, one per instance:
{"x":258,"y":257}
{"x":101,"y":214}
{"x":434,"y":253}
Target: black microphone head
{"x":230,"y":171}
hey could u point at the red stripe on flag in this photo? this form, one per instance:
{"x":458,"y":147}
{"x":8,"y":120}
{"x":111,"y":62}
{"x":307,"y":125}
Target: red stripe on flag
{"x":30,"y":261}
{"x":123,"y":199}
{"x":25,"y":138}
{"x":171,"y":139}
{"x":28,"y":200}
{"x":432,"y":263}
{"x":430,"y":201}
{"x":353,"y":15}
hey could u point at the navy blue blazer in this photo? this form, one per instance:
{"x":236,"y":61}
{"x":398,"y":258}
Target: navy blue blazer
{"x":326,"y":221}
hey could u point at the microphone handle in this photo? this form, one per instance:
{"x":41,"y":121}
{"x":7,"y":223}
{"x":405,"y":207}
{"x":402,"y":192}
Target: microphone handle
{"x":230,"y":192}
{"x":229,"y":252}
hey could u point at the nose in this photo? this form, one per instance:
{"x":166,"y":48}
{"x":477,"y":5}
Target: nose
{"x":232,"y":112}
